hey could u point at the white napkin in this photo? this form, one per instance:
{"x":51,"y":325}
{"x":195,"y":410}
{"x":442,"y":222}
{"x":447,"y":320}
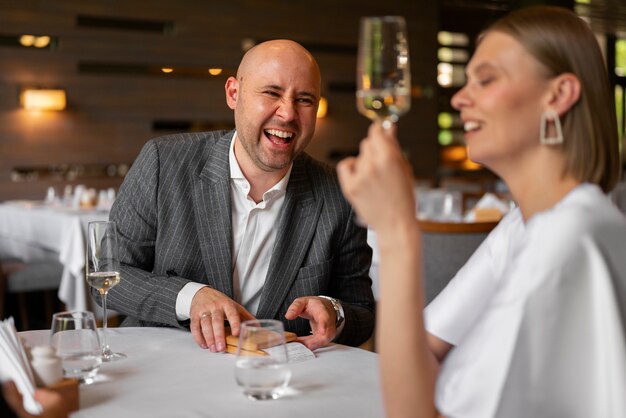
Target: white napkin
{"x":14,"y":365}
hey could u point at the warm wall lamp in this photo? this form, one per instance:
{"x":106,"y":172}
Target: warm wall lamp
{"x":43,"y":99}
{"x":36,"y":41}
{"x":322,"y":109}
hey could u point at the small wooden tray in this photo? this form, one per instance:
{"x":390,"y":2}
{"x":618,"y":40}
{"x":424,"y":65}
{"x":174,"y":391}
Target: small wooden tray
{"x":251,"y":348}
{"x":68,"y":389}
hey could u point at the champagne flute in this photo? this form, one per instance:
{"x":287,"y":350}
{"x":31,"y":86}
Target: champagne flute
{"x":383,"y":70}
{"x":102,"y":269}
{"x":261,"y":367}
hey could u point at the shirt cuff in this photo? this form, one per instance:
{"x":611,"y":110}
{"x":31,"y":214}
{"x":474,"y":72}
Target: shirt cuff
{"x":184,"y":298}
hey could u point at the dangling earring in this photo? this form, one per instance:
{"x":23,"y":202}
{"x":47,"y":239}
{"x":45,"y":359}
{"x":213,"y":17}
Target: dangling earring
{"x":546,"y":116}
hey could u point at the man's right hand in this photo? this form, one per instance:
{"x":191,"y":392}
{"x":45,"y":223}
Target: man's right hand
{"x":209,"y":309}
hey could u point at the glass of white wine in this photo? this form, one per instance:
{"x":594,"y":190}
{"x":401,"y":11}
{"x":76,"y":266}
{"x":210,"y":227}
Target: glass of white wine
{"x":383,"y":69}
{"x":103,"y":271}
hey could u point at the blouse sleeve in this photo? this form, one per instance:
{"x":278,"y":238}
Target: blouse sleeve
{"x":451,"y":314}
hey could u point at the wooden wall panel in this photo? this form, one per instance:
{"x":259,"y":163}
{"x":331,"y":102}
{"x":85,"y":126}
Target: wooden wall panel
{"x":110,"y":116}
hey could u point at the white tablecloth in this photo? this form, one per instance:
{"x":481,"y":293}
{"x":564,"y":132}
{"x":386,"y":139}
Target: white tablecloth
{"x":167,"y":375}
{"x":31,"y":231}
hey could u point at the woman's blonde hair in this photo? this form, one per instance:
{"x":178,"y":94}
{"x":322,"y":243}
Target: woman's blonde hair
{"x":564,"y":43}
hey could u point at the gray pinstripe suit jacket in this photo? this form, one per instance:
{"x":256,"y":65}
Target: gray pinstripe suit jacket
{"x":173,"y":214}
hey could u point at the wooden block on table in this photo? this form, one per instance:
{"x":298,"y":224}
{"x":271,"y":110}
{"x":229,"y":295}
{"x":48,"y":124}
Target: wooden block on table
{"x":68,"y":389}
{"x":252,"y":346}
{"x":232,"y":349}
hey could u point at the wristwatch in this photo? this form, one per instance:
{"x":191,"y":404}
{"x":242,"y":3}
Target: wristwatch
{"x":338,"y":310}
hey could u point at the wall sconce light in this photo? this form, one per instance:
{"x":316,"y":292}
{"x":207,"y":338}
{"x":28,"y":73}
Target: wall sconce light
{"x":35,"y":41}
{"x":322,"y":109}
{"x":49,"y":99}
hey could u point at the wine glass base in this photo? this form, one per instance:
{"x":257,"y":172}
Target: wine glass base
{"x":110,"y":356}
{"x":265,"y":396}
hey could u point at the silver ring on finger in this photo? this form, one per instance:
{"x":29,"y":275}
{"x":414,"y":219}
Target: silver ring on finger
{"x":205,"y":315}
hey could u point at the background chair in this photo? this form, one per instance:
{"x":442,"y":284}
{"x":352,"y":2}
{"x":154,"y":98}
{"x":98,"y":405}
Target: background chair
{"x":446,"y":246}
{"x":20,"y":279}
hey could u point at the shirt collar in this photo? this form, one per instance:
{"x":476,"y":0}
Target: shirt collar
{"x":237,"y":175}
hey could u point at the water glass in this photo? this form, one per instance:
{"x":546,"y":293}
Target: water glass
{"x":261,"y":366}
{"x":74,"y":336}
{"x":439,"y":205}
{"x":51,"y":196}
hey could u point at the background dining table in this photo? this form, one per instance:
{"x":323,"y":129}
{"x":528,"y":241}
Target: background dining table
{"x":166,"y":374}
{"x":33,"y":231}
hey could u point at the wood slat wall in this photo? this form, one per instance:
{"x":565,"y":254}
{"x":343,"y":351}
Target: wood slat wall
{"x":110,"y":116}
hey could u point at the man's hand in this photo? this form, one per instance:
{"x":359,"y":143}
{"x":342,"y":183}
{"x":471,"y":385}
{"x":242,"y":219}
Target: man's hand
{"x":321,"y":316}
{"x":209,"y":309}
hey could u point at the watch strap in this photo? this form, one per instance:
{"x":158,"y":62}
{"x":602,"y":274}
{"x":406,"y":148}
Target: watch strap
{"x":339,"y":314}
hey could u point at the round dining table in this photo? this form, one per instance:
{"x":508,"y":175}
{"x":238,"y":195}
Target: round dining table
{"x":166,"y":374}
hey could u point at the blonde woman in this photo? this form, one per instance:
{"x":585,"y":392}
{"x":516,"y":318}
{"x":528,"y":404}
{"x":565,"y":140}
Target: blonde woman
{"x":534,"y":324}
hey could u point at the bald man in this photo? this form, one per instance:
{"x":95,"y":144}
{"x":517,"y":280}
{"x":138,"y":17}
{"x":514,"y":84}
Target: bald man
{"x":221,"y":227}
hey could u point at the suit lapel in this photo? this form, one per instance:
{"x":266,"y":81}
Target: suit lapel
{"x":213,"y":216}
{"x":299,"y":221}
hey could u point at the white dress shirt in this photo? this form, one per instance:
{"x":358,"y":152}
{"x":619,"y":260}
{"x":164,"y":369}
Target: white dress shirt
{"x":254,"y":233}
{"x":537,"y":317}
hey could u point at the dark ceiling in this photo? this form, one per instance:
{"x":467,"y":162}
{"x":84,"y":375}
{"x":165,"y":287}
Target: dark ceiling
{"x":470,"y":16}
{"x":606,"y":16}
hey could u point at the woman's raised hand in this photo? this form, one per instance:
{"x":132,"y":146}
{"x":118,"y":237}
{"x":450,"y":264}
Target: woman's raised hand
{"x":379,"y":182}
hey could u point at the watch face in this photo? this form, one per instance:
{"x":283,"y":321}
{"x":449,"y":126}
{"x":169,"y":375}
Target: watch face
{"x":340,"y":320}
{"x":338,"y":314}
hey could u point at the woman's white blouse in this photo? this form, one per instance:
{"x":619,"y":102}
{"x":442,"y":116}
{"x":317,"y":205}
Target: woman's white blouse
{"x":538,"y":317}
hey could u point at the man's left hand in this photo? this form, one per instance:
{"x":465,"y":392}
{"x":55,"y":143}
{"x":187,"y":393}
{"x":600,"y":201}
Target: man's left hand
{"x":321,"y":316}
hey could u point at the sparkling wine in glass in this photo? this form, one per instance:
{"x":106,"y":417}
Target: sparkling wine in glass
{"x":383,"y":70}
{"x":103,"y":271}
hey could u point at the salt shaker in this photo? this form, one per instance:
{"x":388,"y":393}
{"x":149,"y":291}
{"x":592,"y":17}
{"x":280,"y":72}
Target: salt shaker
{"x":47,"y":366}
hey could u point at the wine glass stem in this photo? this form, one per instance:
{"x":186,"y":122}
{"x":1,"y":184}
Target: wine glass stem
{"x":105,"y":346}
